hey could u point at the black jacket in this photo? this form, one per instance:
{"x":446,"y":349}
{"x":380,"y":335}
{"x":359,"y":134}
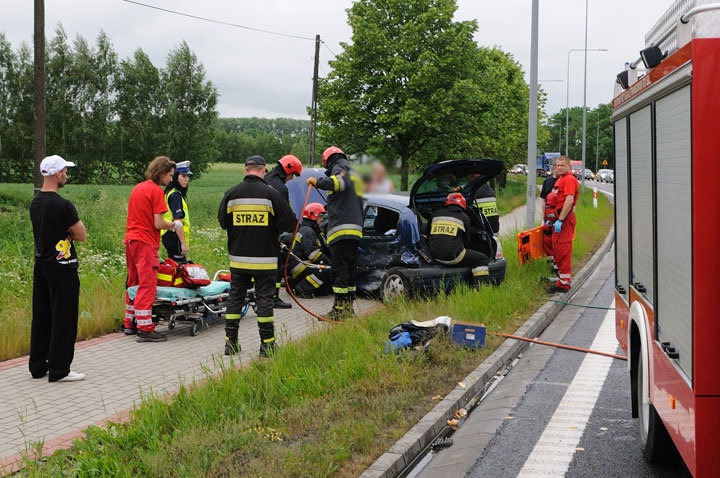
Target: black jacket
{"x":344,"y":201}
{"x":487,"y":203}
{"x":276,"y":179}
{"x":449,"y":234}
{"x":254,"y":215}
{"x":308,"y":247}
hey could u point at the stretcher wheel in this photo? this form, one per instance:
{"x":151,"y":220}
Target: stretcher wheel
{"x":171,"y":324}
{"x":195,"y":329}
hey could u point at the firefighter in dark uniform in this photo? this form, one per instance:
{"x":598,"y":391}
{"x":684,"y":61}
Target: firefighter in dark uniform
{"x":344,"y":230}
{"x":254,"y":215}
{"x":487,"y":203}
{"x":287,"y":168}
{"x":450,"y":237}
{"x":308,"y":281}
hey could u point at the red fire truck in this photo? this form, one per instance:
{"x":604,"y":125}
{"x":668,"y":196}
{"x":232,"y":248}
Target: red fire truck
{"x":667,"y":219}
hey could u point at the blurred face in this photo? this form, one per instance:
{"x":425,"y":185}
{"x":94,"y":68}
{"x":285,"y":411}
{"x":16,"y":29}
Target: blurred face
{"x":61,"y":177}
{"x":562,"y":167}
{"x":183,"y":180}
{"x":166,"y":178}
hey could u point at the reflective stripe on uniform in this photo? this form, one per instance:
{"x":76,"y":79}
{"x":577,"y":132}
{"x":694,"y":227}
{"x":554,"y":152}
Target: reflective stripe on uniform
{"x":278,"y":285}
{"x":129,"y":316}
{"x":129,"y":307}
{"x":141,"y":322}
{"x":267,"y":341}
{"x":253,"y":263}
{"x":459,"y":258}
{"x":352,"y":288}
{"x":480,"y":271}
{"x":298,"y":237}
{"x":315,"y":255}
{"x":266,"y":320}
{"x":338,"y":183}
{"x":314,"y":281}
{"x":297,"y":270}
{"x":340,"y":290}
{"x":142,"y":313}
{"x":487,"y":199}
{"x":250,"y":204}
{"x":344,"y":230}
{"x":233,"y":316}
{"x":448,"y":221}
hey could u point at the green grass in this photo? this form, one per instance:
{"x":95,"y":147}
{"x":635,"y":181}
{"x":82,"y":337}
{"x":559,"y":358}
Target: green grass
{"x":325,"y":405}
{"x":103,"y":210}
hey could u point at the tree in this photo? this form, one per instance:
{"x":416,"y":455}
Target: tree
{"x":412,"y":84}
{"x":189,"y":102}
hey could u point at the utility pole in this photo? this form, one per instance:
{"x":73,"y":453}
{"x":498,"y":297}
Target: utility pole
{"x":597,"y":139}
{"x":39,"y":85}
{"x":313,"y":106}
{"x":532,"y":118}
{"x":584,"y":136}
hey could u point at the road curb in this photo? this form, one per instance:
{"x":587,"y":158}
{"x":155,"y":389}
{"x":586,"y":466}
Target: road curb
{"x":409,"y":446}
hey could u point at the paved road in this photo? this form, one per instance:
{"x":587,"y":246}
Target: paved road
{"x":558,"y":412}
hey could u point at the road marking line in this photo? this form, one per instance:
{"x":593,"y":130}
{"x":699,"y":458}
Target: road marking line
{"x":556,"y":447}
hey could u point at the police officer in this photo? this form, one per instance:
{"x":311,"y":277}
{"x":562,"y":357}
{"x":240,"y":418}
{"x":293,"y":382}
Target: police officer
{"x":487,"y":204}
{"x":177,"y":243}
{"x":345,"y":221}
{"x":287,"y":168}
{"x":565,"y":191}
{"x":450,"y":237}
{"x":254,"y":215}
{"x":307,"y":281}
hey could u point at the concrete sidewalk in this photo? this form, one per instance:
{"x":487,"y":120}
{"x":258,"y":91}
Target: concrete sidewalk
{"x":515,"y":221}
{"x":120,"y":371}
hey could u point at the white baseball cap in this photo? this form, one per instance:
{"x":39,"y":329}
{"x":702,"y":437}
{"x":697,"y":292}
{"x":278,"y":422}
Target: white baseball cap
{"x":53,"y":165}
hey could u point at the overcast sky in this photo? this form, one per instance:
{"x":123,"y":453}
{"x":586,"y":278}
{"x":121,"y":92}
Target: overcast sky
{"x":259,"y":74}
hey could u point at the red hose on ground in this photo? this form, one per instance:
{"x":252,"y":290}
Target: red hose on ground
{"x":561,"y":346}
{"x":287,"y":261}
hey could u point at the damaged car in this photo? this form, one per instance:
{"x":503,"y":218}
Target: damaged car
{"x":393,"y":255}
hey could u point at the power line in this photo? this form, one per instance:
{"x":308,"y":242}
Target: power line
{"x":218,"y":21}
{"x":325,"y":44}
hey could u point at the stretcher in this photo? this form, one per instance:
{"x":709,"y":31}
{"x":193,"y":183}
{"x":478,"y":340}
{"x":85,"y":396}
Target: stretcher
{"x":194,"y":306}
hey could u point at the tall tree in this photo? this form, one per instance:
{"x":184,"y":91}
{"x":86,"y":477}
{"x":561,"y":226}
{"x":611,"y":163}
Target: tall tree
{"x":410,"y":84}
{"x":190,"y":114}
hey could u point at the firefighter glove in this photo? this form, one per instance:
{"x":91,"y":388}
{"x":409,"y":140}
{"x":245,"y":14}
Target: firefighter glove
{"x":312,"y":181}
{"x":558,"y":226}
{"x":178,"y":225}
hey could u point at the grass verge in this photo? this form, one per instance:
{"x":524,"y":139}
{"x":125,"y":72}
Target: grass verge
{"x":325,"y":405}
{"x":103,"y":210}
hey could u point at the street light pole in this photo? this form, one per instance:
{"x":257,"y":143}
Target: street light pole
{"x":567,"y":94}
{"x":584,"y":102}
{"x":532,"y":118}
{"x":597,"y":139}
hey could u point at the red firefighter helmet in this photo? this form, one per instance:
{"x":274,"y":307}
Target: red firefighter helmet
{"x":291,"y":164}
{"x":313,"y":210}
{"x":456,"y":198}
{"x":329,"y":152}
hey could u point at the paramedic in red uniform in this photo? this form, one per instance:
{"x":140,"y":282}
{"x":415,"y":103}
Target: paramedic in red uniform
{"x":566,"y":192}
{"x":142,"y":240}
{"x":549,"y":215}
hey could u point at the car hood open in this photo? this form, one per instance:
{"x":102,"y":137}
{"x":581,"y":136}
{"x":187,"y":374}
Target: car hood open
{"x":446,"y":177}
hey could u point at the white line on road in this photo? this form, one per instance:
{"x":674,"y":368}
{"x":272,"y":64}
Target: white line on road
{"x":556,"y":447}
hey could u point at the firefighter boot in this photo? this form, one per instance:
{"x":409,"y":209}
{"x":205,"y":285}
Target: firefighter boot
{"x":278,"y":303}
{"x":267,"y":339}
{"x":231,"y":336}
{"x":338,"y":309}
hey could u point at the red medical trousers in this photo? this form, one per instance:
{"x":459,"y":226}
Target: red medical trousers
{"x":548,"y":241}
{"x":562,"y":251}
{"x":142,"y":267}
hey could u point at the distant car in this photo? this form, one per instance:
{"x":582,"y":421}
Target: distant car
{"x":589,"y":174}
{"x":393,"y":255}
{"x":602,"y":175}
{"x":519,"y":169}
{"x":610,"y":177}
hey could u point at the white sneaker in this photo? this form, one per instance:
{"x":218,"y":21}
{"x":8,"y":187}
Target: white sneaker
{"x":73,"y":377}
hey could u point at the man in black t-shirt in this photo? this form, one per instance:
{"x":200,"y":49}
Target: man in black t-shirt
{"x":56,"y":287}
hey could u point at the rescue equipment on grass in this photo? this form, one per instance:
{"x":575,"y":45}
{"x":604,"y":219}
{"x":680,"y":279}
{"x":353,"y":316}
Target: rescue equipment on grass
{"x":530,"y":245}
{"x":415,"y":334}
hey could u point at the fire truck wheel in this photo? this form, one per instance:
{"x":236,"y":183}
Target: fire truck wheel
{"x":654,"y":439}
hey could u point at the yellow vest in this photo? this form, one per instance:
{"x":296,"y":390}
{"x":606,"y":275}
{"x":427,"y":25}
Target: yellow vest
{"x":185,"y":220}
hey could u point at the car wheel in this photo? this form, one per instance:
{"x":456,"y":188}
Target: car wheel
{"x":394,"y":285}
